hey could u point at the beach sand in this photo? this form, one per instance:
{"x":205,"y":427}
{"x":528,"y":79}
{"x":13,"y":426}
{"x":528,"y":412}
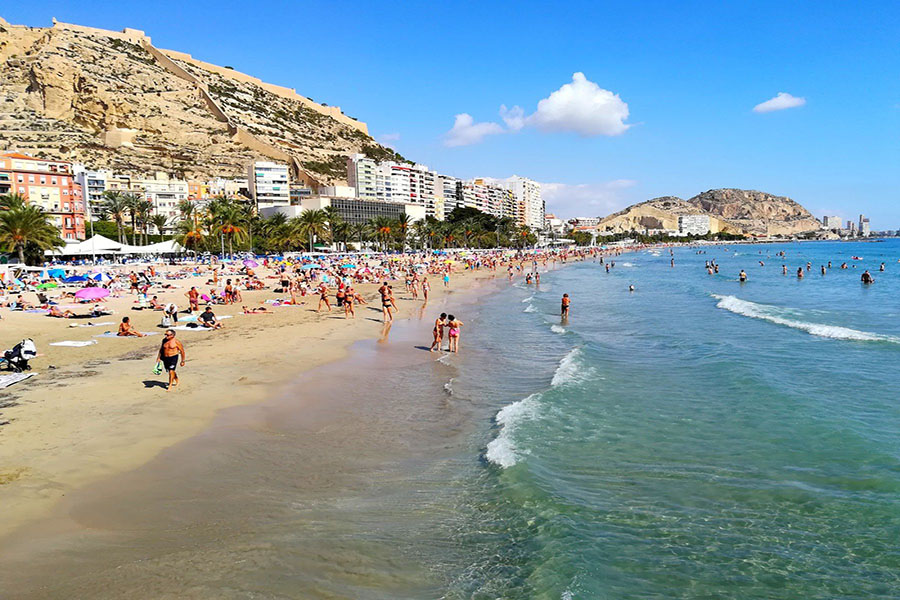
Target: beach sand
{"x":101,"y":411}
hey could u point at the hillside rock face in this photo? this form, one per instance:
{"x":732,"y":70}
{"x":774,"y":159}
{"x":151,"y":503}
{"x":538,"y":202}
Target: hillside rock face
{"x":67,"y":91}
{"x":660,"y":213}
{"x":757,"y":212}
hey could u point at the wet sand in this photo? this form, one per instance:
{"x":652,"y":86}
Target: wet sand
{"x":258,"y":503}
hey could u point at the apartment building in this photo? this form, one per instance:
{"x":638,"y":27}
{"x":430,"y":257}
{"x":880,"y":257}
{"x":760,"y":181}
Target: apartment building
{"x":693,"y":224}
{"x":362,"y":175}
{"x":269,"y":184}
{"x":49,"y":184}
{"x":528,"y":192}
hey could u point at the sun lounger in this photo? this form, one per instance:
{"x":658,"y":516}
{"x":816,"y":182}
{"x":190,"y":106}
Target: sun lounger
{"x":102,"y":323}
{"x":74,"y":343}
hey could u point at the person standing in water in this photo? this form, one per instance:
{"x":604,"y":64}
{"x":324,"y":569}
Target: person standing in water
{"x":453,"y":327}
{"x":438,"y":332}
{"x":564,"y":306}
{"x":743,"y":276}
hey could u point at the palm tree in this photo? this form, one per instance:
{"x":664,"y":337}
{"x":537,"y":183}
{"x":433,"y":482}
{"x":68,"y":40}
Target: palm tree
{"x":132,"y":204}
{"x":403,"y":223}
{"x":22,"y":224}
{"x":191,"y":234}
{"x":159,"y":222}
{"x":310,"y":224}
{"x":115,"y":207}
{"x":383,"y":226}
{"x":144,"y":210}
{"x":11,"y":200}
{"x":360,"y":232}
{"x":230,"y":220}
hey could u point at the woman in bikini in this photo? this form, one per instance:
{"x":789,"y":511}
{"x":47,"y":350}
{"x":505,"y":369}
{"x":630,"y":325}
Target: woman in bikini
{"x":348,"y":303}
{"x":454,"y":325}
{"x":438,"y":332}
{"x":323,"y":297}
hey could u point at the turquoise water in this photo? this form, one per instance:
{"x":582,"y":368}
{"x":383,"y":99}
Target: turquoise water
{"x":697,"y":438}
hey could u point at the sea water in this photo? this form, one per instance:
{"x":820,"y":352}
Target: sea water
{"x":695,"y":438}
{"x":698,"y":437}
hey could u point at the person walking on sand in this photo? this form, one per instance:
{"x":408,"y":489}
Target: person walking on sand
{"x":385,"y":292}
{"x":425,"y":288}
{"x":438,"y":332}
{"x":453,"y":327}
{"x":348,"y":303}
{"x":564,"y":306}
{"x":323,"y":297}
{"x":168,"y":354}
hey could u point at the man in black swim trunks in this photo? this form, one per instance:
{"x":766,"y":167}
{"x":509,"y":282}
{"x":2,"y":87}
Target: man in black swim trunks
{"x":168,"y":356}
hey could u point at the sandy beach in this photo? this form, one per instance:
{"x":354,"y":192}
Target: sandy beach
{"x":100,"y":410}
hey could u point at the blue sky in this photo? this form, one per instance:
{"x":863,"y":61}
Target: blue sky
{"x":689,"y":75}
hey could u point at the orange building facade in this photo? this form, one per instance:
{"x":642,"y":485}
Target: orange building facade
{"x":49,"y":184}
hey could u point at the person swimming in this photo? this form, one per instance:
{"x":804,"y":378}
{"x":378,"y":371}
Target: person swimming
{"x":866,"y":277}
{"x":742,"y":276}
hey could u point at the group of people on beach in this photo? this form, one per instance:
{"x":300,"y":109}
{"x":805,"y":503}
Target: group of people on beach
{"x":452,"y":326}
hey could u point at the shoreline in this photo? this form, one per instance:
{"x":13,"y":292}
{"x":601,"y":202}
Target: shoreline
{"x":67,"y":431}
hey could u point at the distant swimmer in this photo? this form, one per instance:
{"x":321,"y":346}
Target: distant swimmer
{"x":881,"y":268}
{"x":823,"y":269}
{"x":630,"y":288}
{"x":829,"y":264}
{"x":843,"y":265}
{"x":799,"y":272}
{"x":867,"y":277}
{"x":762,"y":264}
{"x":673,"y":262}
{"x":564,"y":306}
{"x":784,"y":269}
{"x":742,"y":276}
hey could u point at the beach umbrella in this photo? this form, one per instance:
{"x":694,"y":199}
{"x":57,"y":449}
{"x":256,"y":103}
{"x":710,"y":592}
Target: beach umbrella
{"x":45,"y":286}
{"x":92,"y":293}
{"x":75,"y":279}
{"x":251,"y":263}
{"x":307,"y":267}
{"x":100,"y":277}
{"x":348,"y":266}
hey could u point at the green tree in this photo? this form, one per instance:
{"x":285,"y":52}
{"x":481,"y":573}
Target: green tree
{"x":311,"y":224}
{"x":24,"y":225}
{"x":115,"y":206}
{"x":159,"y":222}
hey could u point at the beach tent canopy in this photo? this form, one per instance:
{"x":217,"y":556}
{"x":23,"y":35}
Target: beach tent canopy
{"x":101,"y":245}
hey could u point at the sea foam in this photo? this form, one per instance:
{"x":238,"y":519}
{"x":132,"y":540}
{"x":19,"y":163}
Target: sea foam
{"x":557,"y":329}
{"x":570,"y":369}
{"x":530,"y":308}
{"x":773,"y":314}
{"x":528,"y":299}
{"x":502,"y":450}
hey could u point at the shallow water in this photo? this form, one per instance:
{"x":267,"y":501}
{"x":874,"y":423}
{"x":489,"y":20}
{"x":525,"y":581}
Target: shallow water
{"x":697,"y":438}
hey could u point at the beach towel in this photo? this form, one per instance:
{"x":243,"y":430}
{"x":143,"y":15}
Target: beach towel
{"x":74,"y":343}
{"x":186,"y":328}
{"x":187,"y":319}
{"x":92,"y":324}
{"x":112,"y":334}
{"x":11,"y":378}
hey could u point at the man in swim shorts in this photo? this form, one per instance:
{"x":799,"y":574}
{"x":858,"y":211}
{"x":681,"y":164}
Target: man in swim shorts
{"x":168,"y":356}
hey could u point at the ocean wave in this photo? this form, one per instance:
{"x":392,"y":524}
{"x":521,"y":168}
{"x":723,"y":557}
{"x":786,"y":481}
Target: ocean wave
{"x":448,"y":387}
{"x":774,"y":314}
{"x":570,"y":369}
{"x":502,"y":450}
{"x":530,"y":308}
{"x":557,"y":329}
{"x":528,"y":299}
{"x":625,"y":264}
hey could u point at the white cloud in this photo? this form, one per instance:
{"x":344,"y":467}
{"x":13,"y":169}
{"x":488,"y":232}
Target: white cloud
{"x":582,"y":107}
{"x":780,"y":102}
{"x":514,"y":117}
{"x":586,"y":199}
{"x":466,"y":131}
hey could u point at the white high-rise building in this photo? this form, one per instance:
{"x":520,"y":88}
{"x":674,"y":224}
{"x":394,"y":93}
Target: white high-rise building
{"x":528,"y":193}
{"x":401,"y":186}
{"x":269,"y":184}
{"x":362,"y":175}
{"x":93,"y":184}
{"x":164,"y":193}
{"x":693,"y":224}
{"x":863,"y":226}
{"x":421,"y":187}
{"x":832,"y":222}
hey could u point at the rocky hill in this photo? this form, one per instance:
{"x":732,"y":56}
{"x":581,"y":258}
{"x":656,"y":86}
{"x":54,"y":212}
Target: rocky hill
{"x":112,"y":100}
{"x":757,"y":212}
{"x":659,"y":213}
{"x":730,"y":211}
